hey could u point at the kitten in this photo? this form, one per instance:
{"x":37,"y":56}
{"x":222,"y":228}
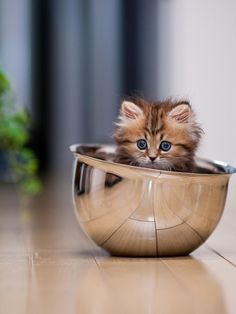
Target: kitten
{"x":162,"y":135}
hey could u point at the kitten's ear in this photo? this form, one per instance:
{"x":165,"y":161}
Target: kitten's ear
{"x":181,"y":113}
{"x":130,"y":111}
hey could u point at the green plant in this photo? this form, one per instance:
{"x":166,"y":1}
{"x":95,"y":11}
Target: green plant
{"x":15,"y":123}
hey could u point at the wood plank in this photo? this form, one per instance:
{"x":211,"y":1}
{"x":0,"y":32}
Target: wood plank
{"x":210,"y":280}
{"x":142,"y":286}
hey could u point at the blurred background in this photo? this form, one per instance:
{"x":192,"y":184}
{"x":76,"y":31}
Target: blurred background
{"x":71,"y":62}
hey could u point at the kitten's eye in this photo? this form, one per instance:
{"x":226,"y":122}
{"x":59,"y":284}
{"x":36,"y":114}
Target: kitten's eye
{"x":165,"y":146}
{"x":142,"y":144}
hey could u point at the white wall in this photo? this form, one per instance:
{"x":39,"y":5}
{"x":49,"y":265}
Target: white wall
{"x":197,"y":60}
{"x":15,"y":46}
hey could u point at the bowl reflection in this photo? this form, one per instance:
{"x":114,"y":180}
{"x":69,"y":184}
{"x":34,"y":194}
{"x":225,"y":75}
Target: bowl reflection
{"x":131,"y":211}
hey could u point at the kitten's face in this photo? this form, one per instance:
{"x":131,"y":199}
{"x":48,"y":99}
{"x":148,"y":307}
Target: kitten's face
{"x":161,"y":135}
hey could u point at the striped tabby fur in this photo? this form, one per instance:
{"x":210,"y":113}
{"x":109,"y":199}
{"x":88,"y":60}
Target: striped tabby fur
{"x":172,"y":121}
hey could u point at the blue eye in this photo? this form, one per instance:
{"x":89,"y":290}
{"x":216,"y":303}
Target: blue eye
{"x":165,"y":146}
{"x":142,"y":144}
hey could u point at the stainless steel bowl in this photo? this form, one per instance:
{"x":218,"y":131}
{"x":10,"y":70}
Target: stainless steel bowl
{"x":132,"y":211}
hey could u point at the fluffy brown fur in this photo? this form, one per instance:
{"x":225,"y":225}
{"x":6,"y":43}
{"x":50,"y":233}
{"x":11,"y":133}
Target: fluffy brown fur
{"x":155,"y":122}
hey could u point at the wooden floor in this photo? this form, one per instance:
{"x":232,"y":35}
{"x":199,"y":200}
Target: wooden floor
{"x":47,"y":265}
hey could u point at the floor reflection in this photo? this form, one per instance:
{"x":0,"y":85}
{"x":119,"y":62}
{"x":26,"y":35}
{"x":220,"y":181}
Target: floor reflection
{"x":120,"y":285}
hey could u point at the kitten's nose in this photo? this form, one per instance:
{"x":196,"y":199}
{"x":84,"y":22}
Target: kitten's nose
{"x":152,"y":158}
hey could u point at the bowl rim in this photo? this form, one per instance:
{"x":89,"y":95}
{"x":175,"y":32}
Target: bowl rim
{"x":228,"y":169}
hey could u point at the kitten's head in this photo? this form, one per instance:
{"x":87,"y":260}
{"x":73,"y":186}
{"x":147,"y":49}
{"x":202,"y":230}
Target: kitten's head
{"x":162,"y":135}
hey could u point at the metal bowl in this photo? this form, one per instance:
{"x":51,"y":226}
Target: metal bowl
{"x":133,"y":211}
